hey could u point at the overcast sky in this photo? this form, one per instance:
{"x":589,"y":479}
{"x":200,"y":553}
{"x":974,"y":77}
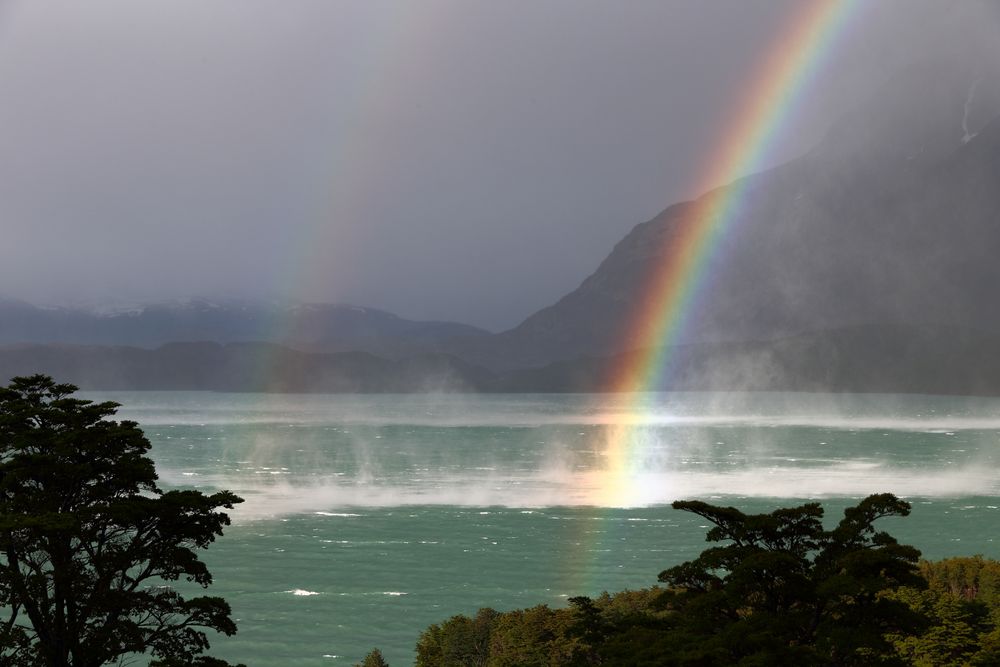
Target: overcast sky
{"x":454,"y":159}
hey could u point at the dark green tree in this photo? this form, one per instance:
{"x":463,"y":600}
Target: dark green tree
{"x":963,"y":602}
{"x":534,"y":636}
{"x":90,"y":546}
{"x":783,"y":590}
{"x":969,"y":578}
{"x":373,"y":659}
{"x":458,"y":642}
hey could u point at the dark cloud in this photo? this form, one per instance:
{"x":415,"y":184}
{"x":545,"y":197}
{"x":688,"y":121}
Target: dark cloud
{"x":460,"y":160}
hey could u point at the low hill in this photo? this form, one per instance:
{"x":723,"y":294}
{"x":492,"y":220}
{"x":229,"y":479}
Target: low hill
{"x":891,"y":359}
{"x":306,"y":326}
{"x":260,"y":367}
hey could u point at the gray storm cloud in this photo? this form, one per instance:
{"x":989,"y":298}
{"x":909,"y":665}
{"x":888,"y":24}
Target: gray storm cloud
{"x":469,"y":161}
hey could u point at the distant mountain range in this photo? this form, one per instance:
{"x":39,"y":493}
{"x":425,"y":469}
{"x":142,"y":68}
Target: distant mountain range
{"x":868,"y":264}
{"x":304,"y":326}
{"x":858,"y":359}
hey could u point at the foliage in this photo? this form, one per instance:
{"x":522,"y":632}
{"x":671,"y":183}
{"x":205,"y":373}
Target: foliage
{"x":458,"y":642}
{"x":89,"y":545}
{"x":535,"y":636}
{"x":199,"y":661}
{"x":786,"y":591}
{"x":373,"y":659}
{"x":970,"y":578}
{"x":963,"y":603}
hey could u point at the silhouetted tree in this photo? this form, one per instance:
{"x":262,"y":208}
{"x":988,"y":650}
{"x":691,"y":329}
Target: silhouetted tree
{"x":89,"y":545}
{"x":785,"y":591}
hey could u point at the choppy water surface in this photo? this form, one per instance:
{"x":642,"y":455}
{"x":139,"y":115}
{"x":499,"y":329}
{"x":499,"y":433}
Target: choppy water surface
{"x":370,"y":517}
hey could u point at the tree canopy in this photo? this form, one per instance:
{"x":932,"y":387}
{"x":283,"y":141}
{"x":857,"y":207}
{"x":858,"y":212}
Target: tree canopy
{"x":373,"y":659}
{"x":90,"y":545}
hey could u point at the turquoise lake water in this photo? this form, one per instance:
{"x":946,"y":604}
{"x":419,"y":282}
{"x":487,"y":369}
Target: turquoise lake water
{"x":370,"y":517}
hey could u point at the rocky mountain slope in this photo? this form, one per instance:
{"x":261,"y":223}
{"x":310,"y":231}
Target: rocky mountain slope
{"x":893,"y":219}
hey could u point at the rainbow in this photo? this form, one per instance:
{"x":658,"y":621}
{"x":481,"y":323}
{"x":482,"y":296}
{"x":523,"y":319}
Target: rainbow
{"x":764,"y":107}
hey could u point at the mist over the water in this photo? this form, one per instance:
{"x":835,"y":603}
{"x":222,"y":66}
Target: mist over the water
{"x":292,"y":455}
{"x":567,"y":488}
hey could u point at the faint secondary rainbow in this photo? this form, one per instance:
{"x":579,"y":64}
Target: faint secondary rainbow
{"x":770,"y":98}
{"x":349,"y":162}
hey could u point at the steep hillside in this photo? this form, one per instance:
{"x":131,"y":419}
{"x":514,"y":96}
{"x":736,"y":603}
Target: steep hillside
{"x":894,"y":219}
